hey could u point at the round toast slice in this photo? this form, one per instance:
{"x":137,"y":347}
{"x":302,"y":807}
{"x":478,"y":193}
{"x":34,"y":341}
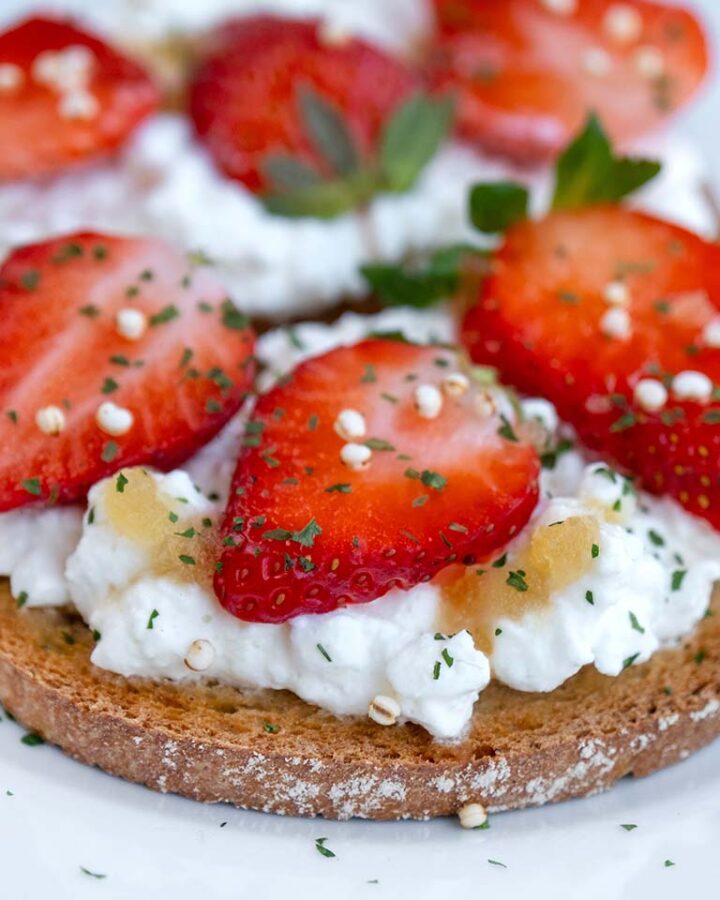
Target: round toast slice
{"x":270,"y":751}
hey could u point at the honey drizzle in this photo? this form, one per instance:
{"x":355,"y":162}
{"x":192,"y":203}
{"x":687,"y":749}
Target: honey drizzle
{"x":556,"y":555}
{"x":144,"y":514}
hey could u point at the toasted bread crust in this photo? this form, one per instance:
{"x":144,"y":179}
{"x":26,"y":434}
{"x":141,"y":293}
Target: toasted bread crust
{"x":271,"y":751}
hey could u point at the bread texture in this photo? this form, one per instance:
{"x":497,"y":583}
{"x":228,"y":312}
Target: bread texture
{"x":270,"y":751}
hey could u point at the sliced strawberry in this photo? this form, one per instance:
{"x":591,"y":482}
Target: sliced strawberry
{"x":65,"y":97}
{"x":527,"y":73}
{"x":288,"y":110}
{"x":585,"y":306}
{"x":72,"y":340}
{"x":306,"y":533}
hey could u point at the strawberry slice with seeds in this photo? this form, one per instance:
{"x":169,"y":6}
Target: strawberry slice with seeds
{"x":116,"y":352}
{"x":526,"y":73}
{"x":372,"y":468}
{"x":614,"y":316}
{"x":313,"y":123}
{"x":65,"y":97}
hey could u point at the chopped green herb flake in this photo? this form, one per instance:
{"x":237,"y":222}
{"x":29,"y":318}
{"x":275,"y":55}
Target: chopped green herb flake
{"x":517,"y":580}
{"x":30,"y":279}
{"x":506,"y":430}
{"x":379,"y":444}
{"x":120,"y":483}
{"x":151,"y":620}
{"x":595,"y":551}
{"x":32,"y":739}
{"x":305,"y":537}
{"x":677,"y":578}
{"x":167,"y":314}
{"x":338,"y":489}
{"x":369,"y":375}
{"x":32,"y":486}
{"x":323,"y":652}
{"x":97,"y":875}
{"x":322,"y":849}
{"x":636,"y":626}
{"x":109,"y":386}
{"x":232,"y":317}
{"x":109,"y":451}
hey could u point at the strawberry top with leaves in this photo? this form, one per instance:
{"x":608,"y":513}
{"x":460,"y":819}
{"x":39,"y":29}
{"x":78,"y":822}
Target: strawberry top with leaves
{"x":526,"y":72}
{"x":314,"y":124}
{"x":373,"y":467}
{"x":65,"y":97}
{"x":116,"y":352}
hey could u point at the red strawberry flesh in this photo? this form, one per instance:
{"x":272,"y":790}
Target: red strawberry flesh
{"x":244,"y":99}
{"x":181,"y":380}
{"x":539,"y":320}
{"x":306,"y":534}
{"x":60,"y":118}
{"x":526,"y":75}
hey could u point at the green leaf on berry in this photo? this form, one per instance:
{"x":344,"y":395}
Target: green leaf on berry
{"x":436,"y":279}
{"x":328,"y":132}
{"x":494,"y":207}
{"x":411,"y":138}
{"x":589,"y":172}
{"x":343,"y":181}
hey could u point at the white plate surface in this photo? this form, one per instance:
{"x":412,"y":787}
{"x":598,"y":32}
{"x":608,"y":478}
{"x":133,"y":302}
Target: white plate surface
{"x":57,"y":816}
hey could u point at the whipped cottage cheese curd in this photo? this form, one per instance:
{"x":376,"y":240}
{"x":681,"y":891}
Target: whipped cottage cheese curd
{"x":34,"y":545}
{"x":151,"y":625}
{"x":649,"y":584}
{"x":165,"y":184}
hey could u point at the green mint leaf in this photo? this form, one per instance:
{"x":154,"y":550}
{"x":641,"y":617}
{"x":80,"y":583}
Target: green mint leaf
{"x":494,"y":207}
{"x":411,"y":137}
{"x":325,"y":200}
{"x":327,"y":132}
{"x":589,"y":172}
{"x":437,"y":279}
{"x":287,"y":173}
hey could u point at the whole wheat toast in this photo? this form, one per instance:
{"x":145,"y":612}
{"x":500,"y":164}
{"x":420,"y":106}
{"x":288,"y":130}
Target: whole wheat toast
{"x":270,"y":751}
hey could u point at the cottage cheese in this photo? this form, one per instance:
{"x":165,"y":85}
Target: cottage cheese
{"x":34,"y":545}
{"x":339,"y":661}
{"x":649,"y":585}
{"x":165,"y":184}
